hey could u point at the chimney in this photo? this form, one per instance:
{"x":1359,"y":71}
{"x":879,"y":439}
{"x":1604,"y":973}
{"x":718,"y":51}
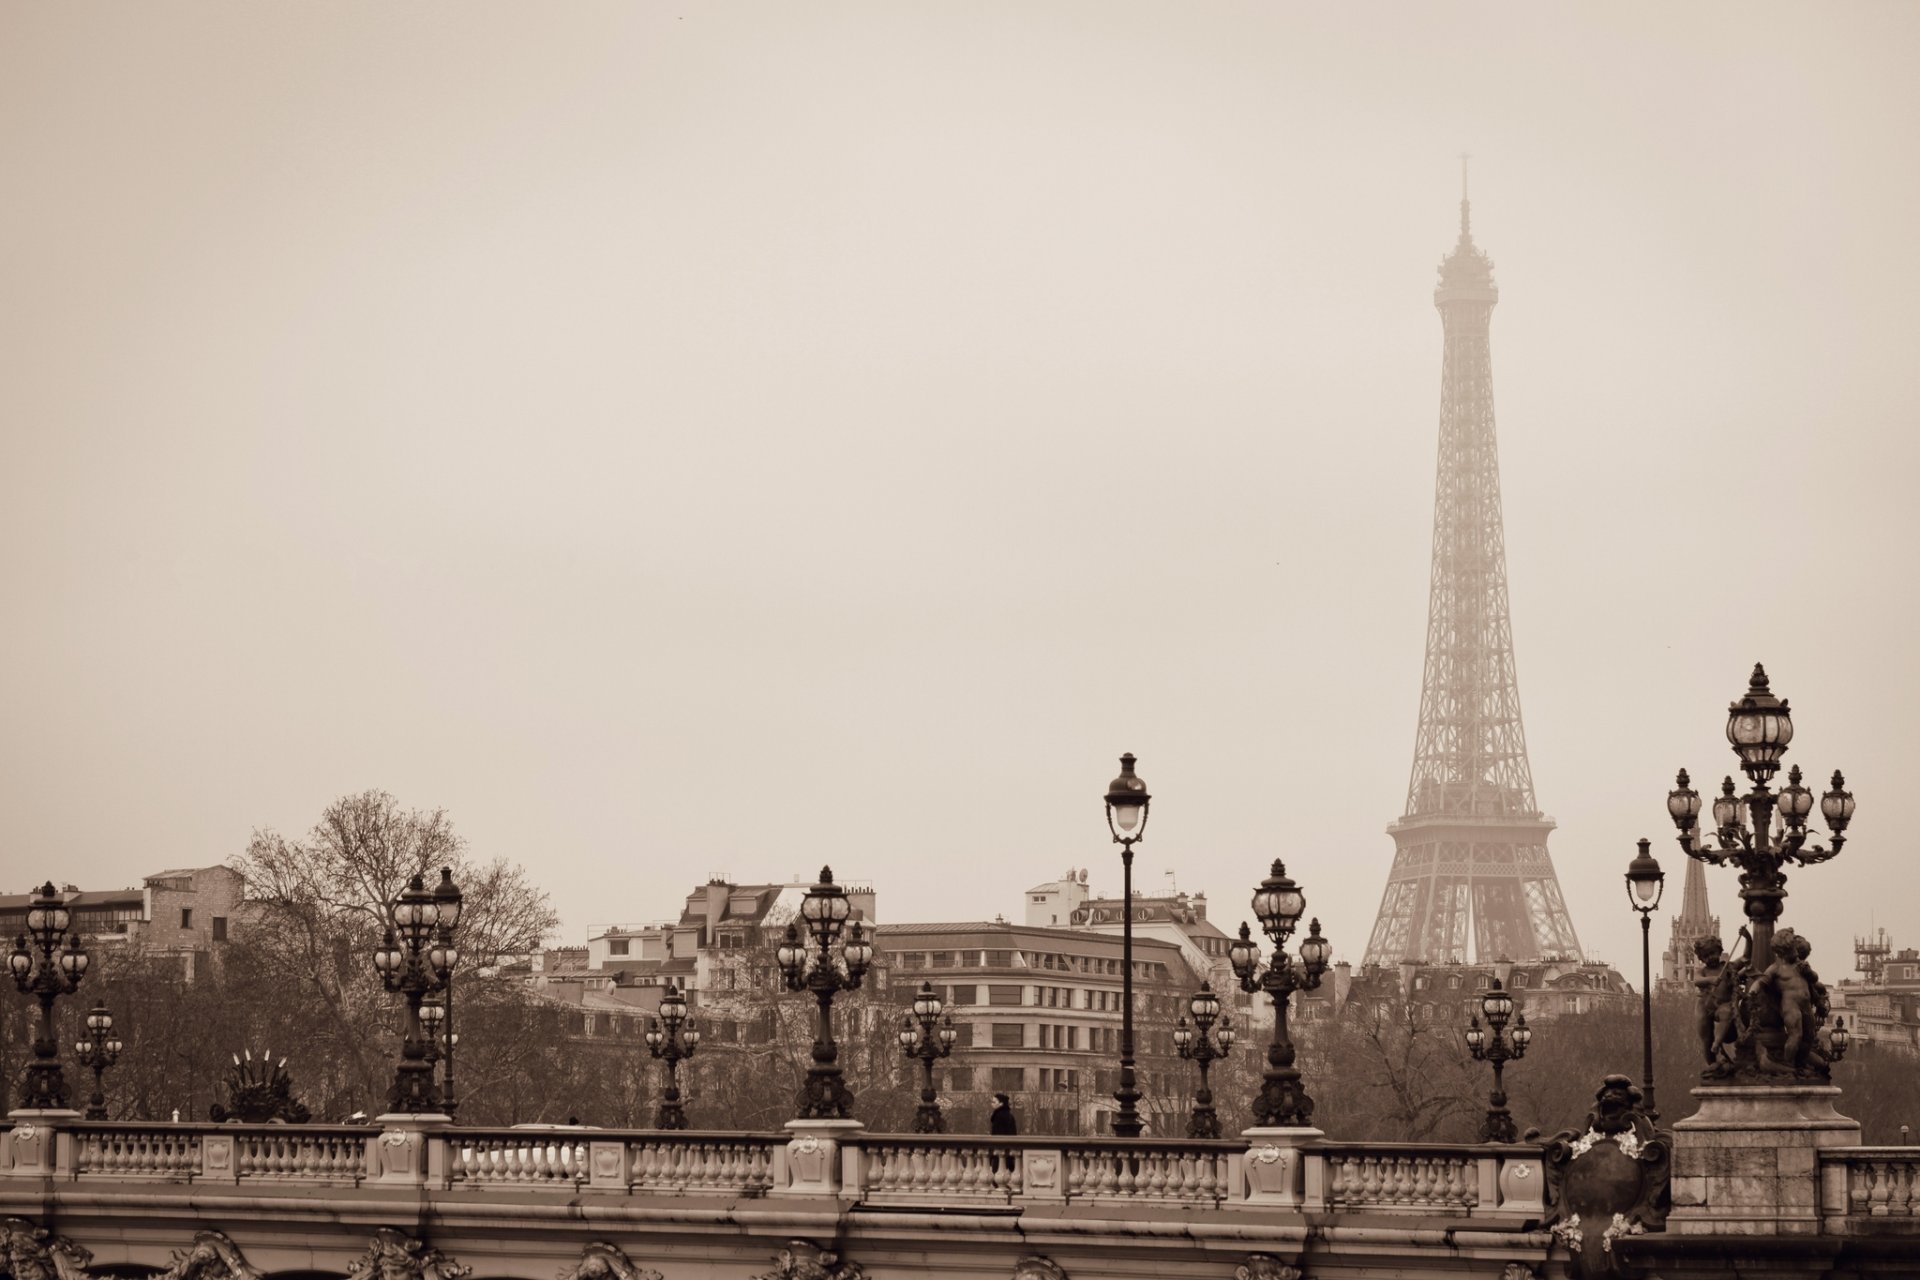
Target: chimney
{"x":1406,"y":978}
{"x":1342,"y":984}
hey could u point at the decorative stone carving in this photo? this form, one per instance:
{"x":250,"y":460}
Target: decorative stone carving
{"x":34,"y":1253}
{"x":395,"y":1255}
{"x":1036,"y":1267}
{"x":1762,"y":1017}
{"x":804,"y":1260}
{"x":603,"y":1261}
{"x":1610,"y":1181}
{"x":1264,"y":1266}
{"x":260,"y":1093}
{"x":211,"y":1256}
{"x":1519,"y":1271}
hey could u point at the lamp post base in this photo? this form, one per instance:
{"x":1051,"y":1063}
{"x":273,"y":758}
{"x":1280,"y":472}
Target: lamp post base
{"x":414,"y":1091}
{"x":45,"y":1088}
{"x":1282,"y":1102}
{"x":824,"y":1095}
{"x":927,"y":1119}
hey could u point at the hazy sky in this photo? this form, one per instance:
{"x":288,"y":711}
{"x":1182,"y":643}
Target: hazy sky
{"x":688,"y":439}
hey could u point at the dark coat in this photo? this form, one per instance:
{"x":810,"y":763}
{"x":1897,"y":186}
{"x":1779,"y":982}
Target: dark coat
{"x":1001,"y":1121}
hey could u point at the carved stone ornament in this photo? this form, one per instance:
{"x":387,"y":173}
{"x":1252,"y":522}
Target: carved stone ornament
{"x":1264,"y":1266}
{"x":1036,"y":1267}
{"x":34,"y":1253}
{"x":804,"y":1260}
{"x":1519,"y":1271}
{"x":395,"y":1255}
{"x":1612,"y":1180}
{"x":211,"y":1256}
{"x":603,"y":1261}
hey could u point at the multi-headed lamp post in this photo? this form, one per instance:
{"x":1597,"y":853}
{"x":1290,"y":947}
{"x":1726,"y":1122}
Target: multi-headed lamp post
{"x":415,"y":960}
{"x":1760,"y":833}
{"x":1203,"y":1044}
{"x":57,"y":973}
{"x":100,"y":1050}
{"x":1127,"y":802}
{"x":928,"y":1035}
{"x":1279,"y":904}
{"x":1498,"y":1046}
{"x":672,"y":1039}
{"x":447,"y":903}
{"x":1645,"y":882}
{"x":814,"y":965}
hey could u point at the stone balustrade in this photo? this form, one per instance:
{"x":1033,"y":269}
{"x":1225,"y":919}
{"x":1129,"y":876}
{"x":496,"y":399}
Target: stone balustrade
{"x":1862,"y":1185}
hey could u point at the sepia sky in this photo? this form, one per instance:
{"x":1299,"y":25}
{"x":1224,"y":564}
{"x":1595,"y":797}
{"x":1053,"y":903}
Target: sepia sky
{"x":688,"y":439}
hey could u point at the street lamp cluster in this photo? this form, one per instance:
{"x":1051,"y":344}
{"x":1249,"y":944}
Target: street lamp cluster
{"x":815,"y":965}
{"x":672,"y":1038}
{"x":1498,"y":1046}
{"x":100,"y":1050}
{"x":927,"y":1034}
{"x":416,"y":960}
{"x":56,"y":972}
{"x":1203,"y":1044}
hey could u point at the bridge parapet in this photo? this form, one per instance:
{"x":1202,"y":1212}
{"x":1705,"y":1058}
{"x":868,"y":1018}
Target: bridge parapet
{"x":1870,"y":1188}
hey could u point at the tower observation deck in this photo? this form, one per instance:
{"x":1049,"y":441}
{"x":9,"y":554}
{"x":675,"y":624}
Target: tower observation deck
{"x":1471,"y":878}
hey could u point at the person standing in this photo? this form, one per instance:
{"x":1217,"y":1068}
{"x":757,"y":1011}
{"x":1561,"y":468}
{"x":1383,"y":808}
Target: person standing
{"x":1000,"y":1122}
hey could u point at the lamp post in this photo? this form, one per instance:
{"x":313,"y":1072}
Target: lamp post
{"x":1201,"y":1048}
{"x":1760,"y":833}
{"x":58,"y":972}
{"x":415,"y":960}
{"x":100,"y":1050}
{"x":928,"y":1035}
{"x":1645,"y":883}
{"x":672,"y":1040}
{"x":1497,"y":1046}
{"x":1279,"y":904}
{"x":448,"y":904}
{"x":813,"y":965}
{"x":1127,"y":802}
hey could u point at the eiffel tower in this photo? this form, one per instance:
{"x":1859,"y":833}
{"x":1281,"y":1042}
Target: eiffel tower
{"x":1470,"y":853}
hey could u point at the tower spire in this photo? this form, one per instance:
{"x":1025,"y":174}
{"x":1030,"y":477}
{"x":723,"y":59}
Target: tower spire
{"x":1466,"y":209}
{"x":1471,"y":848}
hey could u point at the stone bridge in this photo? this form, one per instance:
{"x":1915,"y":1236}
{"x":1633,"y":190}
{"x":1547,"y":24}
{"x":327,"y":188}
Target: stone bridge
{"x":416,"y":1200}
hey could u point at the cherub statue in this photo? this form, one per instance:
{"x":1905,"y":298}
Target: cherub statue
{"x":1787,"y":980}
{"x":1711,"y":953}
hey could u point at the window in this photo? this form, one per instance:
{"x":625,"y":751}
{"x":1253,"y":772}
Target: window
{"x":186,"y":917}
{"x":943,"y":959}
{"x":1009,"y":1079}
{"x":617,"y":947}
{"x":963,"y":1039}
{"x":219,"y":928}
{"x":1008,"y":1035}
{"x":999,"y":959}
{"x":1039,"y":897}
{"x":998,"y":994}
{"x":959,"y":1079}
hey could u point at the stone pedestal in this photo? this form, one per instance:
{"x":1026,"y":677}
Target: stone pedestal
{"x":401,"y":1153}
{"x":1275,"y":1166}
{"x":1747,"y":1163}
{"x":30,"y":1149}
{"x":809,"y":1165}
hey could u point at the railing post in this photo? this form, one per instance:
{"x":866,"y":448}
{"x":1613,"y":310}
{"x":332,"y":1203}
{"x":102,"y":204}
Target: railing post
{"x":1274,"y":1165}
{"x":607,"y":1165}
{"x":1313,"y":1190}
{"x":1523,"y":1184}
{"x":33,"y":1145}
{"x":409,"y":1149}
{"x":218,"y":1159}
{"x":1043,"y":1173}
{"x":809,"y":1164}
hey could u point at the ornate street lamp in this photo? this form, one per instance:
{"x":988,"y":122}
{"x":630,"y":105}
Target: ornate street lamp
{"x":1760,"y":833}
{"x":416,"y":959}
{"x":1279,"y":904}
{"x":57,"y":973}
{"x":1203,"y":1049}
{"x":928,"y":1035}
{"x":1127,"y":802}
{"x":1645,"y":883}
{"x":814,"y":965}
{"x":672,"y":1040}
{"x":448,"y":904}
{"x":1497,"y":1046}
{"x":100,"y":1050}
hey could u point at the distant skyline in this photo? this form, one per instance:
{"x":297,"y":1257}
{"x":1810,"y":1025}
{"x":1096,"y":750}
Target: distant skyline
{"x":737,"y":438}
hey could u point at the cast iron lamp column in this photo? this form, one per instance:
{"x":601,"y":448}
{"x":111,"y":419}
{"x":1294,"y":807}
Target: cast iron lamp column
{"x":1495,"y":1045}
{"x":1759,"y":727}
{"x":415,"y":960}
{"x":1279,"y":904}
{"x":58,"y":973}
{"x":672,"y":1040}
{"x":1645,"y":882}
{"x":448,"y":902}
{"x":1203,"y":1049}
{"x":928,"y":1036}
{"x":100,"y":1050}
{"x":1127,"y":802}
{"x":814,"y":966}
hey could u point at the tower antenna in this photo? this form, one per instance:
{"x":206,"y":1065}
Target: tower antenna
{"x":1466,"y":218}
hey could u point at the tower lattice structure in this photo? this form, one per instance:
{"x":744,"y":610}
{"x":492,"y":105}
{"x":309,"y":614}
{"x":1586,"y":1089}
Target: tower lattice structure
{"x":1470,"y":853}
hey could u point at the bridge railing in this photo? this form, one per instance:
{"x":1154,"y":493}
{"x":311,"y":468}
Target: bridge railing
{"x":1260,"y":1170}
{"x":1861,"y":1184}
